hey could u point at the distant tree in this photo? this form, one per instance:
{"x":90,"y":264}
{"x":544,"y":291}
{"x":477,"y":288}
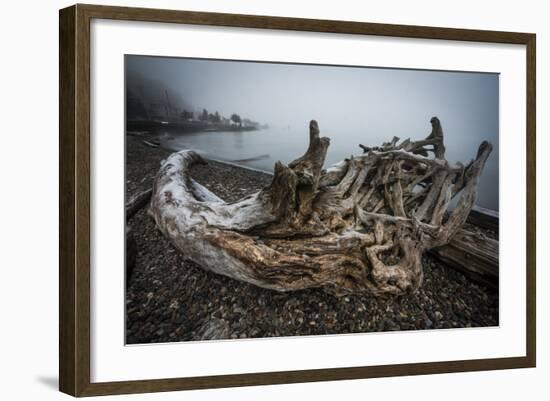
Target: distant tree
{"x":214,"y":118}
{"x":204,"y":116}
{"x":135,"y":108}
{"x":236,"y":118}
{"x":186,"y":115}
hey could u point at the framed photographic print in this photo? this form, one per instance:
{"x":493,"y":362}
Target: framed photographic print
{"x":251,"y":200}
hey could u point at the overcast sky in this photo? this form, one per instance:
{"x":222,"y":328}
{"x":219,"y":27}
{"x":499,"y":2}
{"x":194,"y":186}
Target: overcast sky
{"x":377,"y":102}
{"x":290,"y":93}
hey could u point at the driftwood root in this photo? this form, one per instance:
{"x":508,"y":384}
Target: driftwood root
{"x":362,"y":225}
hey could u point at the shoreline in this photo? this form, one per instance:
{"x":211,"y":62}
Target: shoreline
{"x":170,"y":299}
{"x":184,"y":127}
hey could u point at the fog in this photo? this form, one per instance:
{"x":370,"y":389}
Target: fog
{"x":352,"y":105}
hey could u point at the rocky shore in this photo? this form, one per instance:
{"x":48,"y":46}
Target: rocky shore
{"x":170,"y":299}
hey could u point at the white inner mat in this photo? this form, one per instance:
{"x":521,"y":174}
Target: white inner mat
{"x":113,"y":361}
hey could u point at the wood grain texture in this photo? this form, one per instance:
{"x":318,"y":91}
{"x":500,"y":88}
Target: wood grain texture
{"x":473,"y":254}
{"x":531,"y":229}
{"x":74,"y":209}
{"x":302,"y":376}
{"x":74,"y":202}
{"x":67,"y":273}
{"x":82,"y":199}
{"x":301,"y":24}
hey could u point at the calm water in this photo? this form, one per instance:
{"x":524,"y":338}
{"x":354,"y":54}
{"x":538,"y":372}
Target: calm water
{"x":261,"y":149}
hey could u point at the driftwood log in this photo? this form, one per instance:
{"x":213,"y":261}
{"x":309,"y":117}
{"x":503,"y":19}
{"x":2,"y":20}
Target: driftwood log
{"x":360,"y":226}
{"x":133,"y":205}
{"x":485,"y":218}
{"x":137,"y":202}
{"x":473,"y":254}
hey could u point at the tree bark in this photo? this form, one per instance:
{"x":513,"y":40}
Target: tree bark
{"x":359,"y":226}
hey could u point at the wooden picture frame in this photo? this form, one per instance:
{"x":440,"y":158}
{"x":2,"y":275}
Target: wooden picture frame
{"x":74,"y":203}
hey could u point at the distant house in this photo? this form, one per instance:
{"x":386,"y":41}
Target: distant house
{"x":187,"y":115}
{"x":248,"y":123}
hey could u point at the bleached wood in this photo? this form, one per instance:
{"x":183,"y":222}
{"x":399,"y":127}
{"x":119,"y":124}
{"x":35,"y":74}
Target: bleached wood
{"x":473,"y":254}
{"x":359,"y":226}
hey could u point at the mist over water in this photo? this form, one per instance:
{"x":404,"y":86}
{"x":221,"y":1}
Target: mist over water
{"x":351,"y":104}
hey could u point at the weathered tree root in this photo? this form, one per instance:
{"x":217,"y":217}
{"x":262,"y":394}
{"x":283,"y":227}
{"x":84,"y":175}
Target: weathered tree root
{"x":360,"y":226}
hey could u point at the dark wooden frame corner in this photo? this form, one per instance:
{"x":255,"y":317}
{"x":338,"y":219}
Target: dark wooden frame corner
{"x":74,"y":199}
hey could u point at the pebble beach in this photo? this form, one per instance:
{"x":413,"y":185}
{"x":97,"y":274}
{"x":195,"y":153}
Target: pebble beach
{"x":170,"y":299}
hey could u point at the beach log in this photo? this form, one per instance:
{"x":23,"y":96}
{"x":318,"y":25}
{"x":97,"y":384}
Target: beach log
{"x":137,"y":202}
{"x":131,"y":253}
{"x":485,"y":218}
{"x":359,"y":226}
{"x":474,"y":254}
